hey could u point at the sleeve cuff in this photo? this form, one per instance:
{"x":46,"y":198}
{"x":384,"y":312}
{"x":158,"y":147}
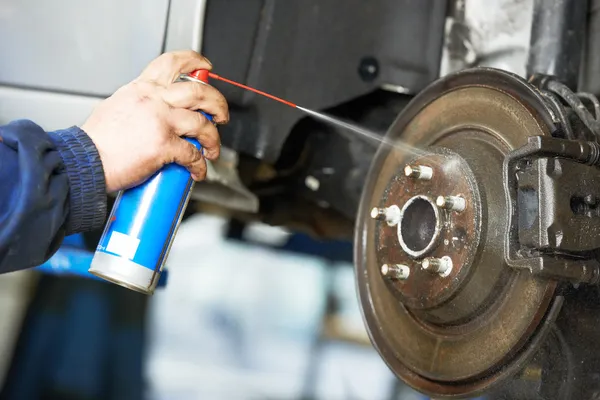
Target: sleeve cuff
{"x":87,"y":192}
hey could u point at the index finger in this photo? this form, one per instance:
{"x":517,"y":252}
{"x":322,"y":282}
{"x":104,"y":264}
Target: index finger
{"x":165,"y":69}
{"x":196,"y":96}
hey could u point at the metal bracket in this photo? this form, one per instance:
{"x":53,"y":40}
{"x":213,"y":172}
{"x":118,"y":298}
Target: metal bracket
{"x":553,"y":190}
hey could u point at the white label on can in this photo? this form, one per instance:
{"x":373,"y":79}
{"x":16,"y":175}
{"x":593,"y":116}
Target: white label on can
{"x":122,"y":245}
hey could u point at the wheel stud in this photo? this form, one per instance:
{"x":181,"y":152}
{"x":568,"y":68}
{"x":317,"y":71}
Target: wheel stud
{"x":453,"y":203}
{"x":418,"y":172}
{"x":395,"y":271}
{"x":441,"y":266}
{"x":389,"y":214}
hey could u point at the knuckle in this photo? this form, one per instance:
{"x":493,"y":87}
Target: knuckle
{"x":200,"y":122}
{"x":212,"y":139}
{"x":173,"y":64}
{"x":194,"y":154}
{"x":224,"y":108}
{"x":142,"y":88}
{"x":170,"y":58}
{"x":147,"y":105}
{"x":200,"y":169}
{"x":197,"y":91}
{"x":226,"y":117}
{"x":188,"y":54}
{"x":214,"y":153}
{"x":175,"y":58}
{"x":166,"y":157}
{"x":143,"y":100}
{"x":163,"y":142}
{"x":167,"y":61}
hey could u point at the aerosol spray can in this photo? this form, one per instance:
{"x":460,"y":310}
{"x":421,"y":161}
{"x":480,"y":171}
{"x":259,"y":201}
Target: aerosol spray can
{"x":143,"y":223}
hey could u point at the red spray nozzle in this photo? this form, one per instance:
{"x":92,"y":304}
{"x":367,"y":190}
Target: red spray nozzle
{"x":200,"y":74}
{"x":203,"y":75}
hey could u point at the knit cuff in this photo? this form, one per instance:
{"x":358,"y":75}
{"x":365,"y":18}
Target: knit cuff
{"x":87,"y":193}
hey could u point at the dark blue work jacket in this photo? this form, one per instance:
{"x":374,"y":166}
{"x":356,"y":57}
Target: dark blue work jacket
{"x":51,"y":185}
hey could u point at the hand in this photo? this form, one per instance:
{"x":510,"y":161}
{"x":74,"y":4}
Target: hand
{"x":140,"y":127}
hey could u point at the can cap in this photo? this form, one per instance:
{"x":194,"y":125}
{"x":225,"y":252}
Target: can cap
{"x":200,"y":74}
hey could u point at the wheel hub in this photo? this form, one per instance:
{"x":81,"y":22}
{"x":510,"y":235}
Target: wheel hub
{"x":426,"y":232}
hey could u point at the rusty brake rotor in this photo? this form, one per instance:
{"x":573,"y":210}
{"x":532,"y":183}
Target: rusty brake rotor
{"x":441,"y":306}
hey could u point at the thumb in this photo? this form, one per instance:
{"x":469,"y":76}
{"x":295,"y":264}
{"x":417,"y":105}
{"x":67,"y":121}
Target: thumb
{"x":187,"y":155}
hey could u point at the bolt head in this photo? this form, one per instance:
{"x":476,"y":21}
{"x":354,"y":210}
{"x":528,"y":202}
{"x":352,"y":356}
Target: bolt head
{"x":312,"y":183}
{"x":446,"y":266}
{"x":368,"y":69}
{"x":389,"y":214}
{"x":374,"y":212}
{"x":385,"y":270}
{"x":440,"y":201}
{"x":426,"y":264}
{"x":403,"y":272}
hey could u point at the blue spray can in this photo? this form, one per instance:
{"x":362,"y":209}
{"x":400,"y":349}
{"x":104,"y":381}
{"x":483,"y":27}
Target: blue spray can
{"x":143,"y":223}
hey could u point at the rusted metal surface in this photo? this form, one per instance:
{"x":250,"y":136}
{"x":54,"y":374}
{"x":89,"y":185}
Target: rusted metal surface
{"x":460,"y":335}
{"x":458,"y":234}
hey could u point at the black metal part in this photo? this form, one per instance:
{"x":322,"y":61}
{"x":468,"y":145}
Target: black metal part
{"x":552,"y":228}
{"x":307,"y":52}
{"x":368,"y":69}
{"x":574,"y":101}
{"x":551,"y":184}
{"x":338,"y":160}
{"x":567,"y":215}
{"x":557,"y":39}
{"x":576,"y":115}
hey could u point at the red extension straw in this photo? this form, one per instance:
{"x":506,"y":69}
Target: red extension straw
{"x":203,"y":75}
{"x":220,"y":78}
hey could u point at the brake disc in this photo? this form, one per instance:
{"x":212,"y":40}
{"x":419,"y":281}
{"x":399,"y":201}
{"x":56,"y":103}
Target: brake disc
{"x":441,"y":306}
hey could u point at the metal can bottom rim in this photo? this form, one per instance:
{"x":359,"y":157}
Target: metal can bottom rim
{"x":124,"y":272}
{"x":117,"y":280}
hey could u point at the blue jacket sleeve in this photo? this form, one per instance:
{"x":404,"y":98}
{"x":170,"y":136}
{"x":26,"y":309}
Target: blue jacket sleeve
{"x":51,"y":185}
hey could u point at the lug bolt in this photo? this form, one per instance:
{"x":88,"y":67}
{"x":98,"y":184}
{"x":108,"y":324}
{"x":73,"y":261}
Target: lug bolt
{"x":441,"y":266}
{"x":390,"y":214}
{"x":418,"y":172}
{"x":453,"y":203}
{"x":312,"y":183}
{"x":395,"y":271}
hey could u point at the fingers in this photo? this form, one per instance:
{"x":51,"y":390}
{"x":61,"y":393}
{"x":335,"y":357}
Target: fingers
{"x":187,"y":155}
{"x":197,"y":96}
{"x":166,"y":68}
{"x":182,"y":98}
{"x":193,"y":124}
